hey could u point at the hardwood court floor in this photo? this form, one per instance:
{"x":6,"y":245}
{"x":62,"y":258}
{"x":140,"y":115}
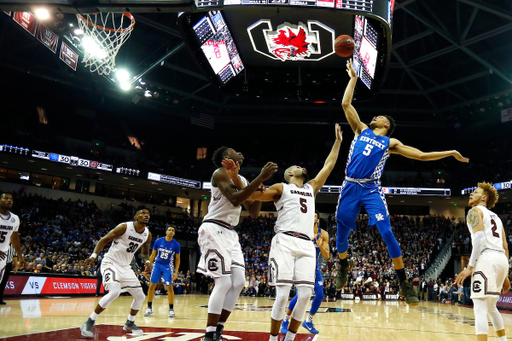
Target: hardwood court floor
{"x":365,"y":320}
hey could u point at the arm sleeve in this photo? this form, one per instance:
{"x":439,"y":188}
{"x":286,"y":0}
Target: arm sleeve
{"x":477,"y":246}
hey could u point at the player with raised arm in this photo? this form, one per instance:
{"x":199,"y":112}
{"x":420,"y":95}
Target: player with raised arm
{"x":221,"y":252}
{"x":117,"y":274}
{"x":9,"y":226}
{"x":488,"y":264}
{"x":292,"y":255}
{"x":321,"y":241}
{"x":162,"y":260}
{"x":368,"y":153}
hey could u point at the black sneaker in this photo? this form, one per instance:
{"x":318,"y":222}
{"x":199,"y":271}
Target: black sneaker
{"x":407,"y":291}
{"x":218,"y":333}
{"x":130,"y":326}
{"x":86,"y":328}
{"x":342,"y":275}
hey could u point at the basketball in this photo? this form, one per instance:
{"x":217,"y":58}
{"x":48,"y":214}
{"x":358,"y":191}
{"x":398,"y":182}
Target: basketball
{"x":344,"y":46}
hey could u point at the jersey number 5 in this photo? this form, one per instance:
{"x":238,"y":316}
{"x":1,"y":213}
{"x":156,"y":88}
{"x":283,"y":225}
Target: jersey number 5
{"x":367,"y":149}
{"x":494,"y":228}
{"x":2,"y":236}
{"x":303,"y":207}
{"x":132,"y":247}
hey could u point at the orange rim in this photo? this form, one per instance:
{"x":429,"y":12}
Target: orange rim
{"x":126,"y":14}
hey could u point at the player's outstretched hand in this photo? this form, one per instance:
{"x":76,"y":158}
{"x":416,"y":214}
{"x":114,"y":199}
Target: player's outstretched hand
{"x":231,"y":167}
{"x":350,"y":69}
{"x":462,"y":276}
{"x":459,"y":157}
{"x":267,"y":171}
{"x":339,"y":133}
{"x":89,"y":261}
{"x":506,"y":285}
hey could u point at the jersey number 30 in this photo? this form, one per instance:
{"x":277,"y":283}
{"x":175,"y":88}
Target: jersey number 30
{"x":132,"y":247}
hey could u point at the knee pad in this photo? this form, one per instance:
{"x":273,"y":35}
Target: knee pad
{"x":237,"y":279}
{"x":480,"y":309}
{"x":389,"y":238}
{"x":218,"y":295}
{"x":278,"y":310}
{"x":113,"y":293}
{"x":342,"y":237}
{"x":138,"y":298}
{"x":304,"y":294}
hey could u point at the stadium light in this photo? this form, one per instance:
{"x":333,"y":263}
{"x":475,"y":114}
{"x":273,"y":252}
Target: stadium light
{"x":78,"y":31}
{"x":42,"y":13}
{"x":92,"y":48}
{"x":125,"y":86}
{"x":123,"y":75}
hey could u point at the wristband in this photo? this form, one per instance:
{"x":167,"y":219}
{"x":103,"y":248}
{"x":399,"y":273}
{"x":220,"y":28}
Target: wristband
{"x":94,"y":255}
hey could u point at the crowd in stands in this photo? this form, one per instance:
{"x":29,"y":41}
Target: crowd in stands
{"x":57,"y":236}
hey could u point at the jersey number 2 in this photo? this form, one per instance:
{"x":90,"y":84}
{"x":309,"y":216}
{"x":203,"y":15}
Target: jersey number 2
{"x":132,"y":247}
{"x":303,"y":207}
{"x":494,"y":228}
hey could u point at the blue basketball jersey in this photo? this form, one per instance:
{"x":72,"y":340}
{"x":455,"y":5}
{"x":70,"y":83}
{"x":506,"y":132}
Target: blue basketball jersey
{"x":166,"y":250}
{"x":318,"y":248}
{"x":367,"y":156}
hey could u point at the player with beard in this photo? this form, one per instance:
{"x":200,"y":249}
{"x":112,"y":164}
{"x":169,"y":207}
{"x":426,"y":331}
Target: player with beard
{"x":368,"y":153}
{"x":118,"y":275}
{"x":292,"y":258}
{"x":221,"y":252}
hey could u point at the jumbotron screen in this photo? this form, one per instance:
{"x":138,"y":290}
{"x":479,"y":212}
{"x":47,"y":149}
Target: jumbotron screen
{"x":218,"y":46}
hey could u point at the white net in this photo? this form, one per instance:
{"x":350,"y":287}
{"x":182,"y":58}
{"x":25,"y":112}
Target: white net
{"x":103,"y":36}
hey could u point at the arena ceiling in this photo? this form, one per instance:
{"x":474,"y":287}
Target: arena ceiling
{"x":451,"y":60}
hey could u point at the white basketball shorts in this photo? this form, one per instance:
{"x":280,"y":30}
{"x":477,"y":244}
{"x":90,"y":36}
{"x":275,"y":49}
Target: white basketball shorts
{"x":489,"y":273}
{"x":124,"y":275}
{"x":220,"y":250}
{"x":292,"y":261}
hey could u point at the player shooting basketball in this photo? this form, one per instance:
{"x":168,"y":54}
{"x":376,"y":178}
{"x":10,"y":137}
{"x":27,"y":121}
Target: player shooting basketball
{"x":368,"y":153}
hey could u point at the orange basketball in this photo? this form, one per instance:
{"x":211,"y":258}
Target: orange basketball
{"x":344,"y":46}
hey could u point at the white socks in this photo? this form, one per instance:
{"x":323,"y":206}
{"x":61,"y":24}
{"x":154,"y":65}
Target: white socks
{"x":290,"y":336}
{"x":309,"y":319}
{"x":287,"y":317}
{"x":94,"y":316}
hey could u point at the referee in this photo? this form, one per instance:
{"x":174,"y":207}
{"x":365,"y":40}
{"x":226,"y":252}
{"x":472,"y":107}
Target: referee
{"x":11,"y":257}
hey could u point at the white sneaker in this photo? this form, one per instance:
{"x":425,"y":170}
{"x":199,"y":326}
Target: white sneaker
{"x":171,"y":313}
{"x":148,"y":312}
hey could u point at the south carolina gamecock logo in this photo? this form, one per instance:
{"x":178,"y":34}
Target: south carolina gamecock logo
{"x":310,"y":41}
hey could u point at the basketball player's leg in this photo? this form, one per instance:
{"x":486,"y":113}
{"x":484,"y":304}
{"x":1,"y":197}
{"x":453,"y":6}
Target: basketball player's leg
{"x":376,"y":206}
{"x":278,"y":310}
{"x":216,"y":244}
{"x":281,"y":275}
{"x":304,"y":279}
{"x":167,"y":274}
{"x":237,"y":284}
{"x":286,"y":321}
{"x":317,"y":301}
{"x":346,"y":214}
{"x":156,"y":273}
{"x":111,"y":283}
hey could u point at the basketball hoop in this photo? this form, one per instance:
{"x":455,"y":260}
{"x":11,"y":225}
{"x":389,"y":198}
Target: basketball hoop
{"x":104,"y":34}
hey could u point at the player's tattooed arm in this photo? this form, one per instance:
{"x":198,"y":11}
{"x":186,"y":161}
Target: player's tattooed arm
{"x":474,"y":220}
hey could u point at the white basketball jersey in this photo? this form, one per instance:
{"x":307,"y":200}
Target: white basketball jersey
{"x":123,"y":248}
{"x":221,"y":209}
{"x":493,"y":230}
{"x":8,"y":225}
{"x":296,"y":210}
